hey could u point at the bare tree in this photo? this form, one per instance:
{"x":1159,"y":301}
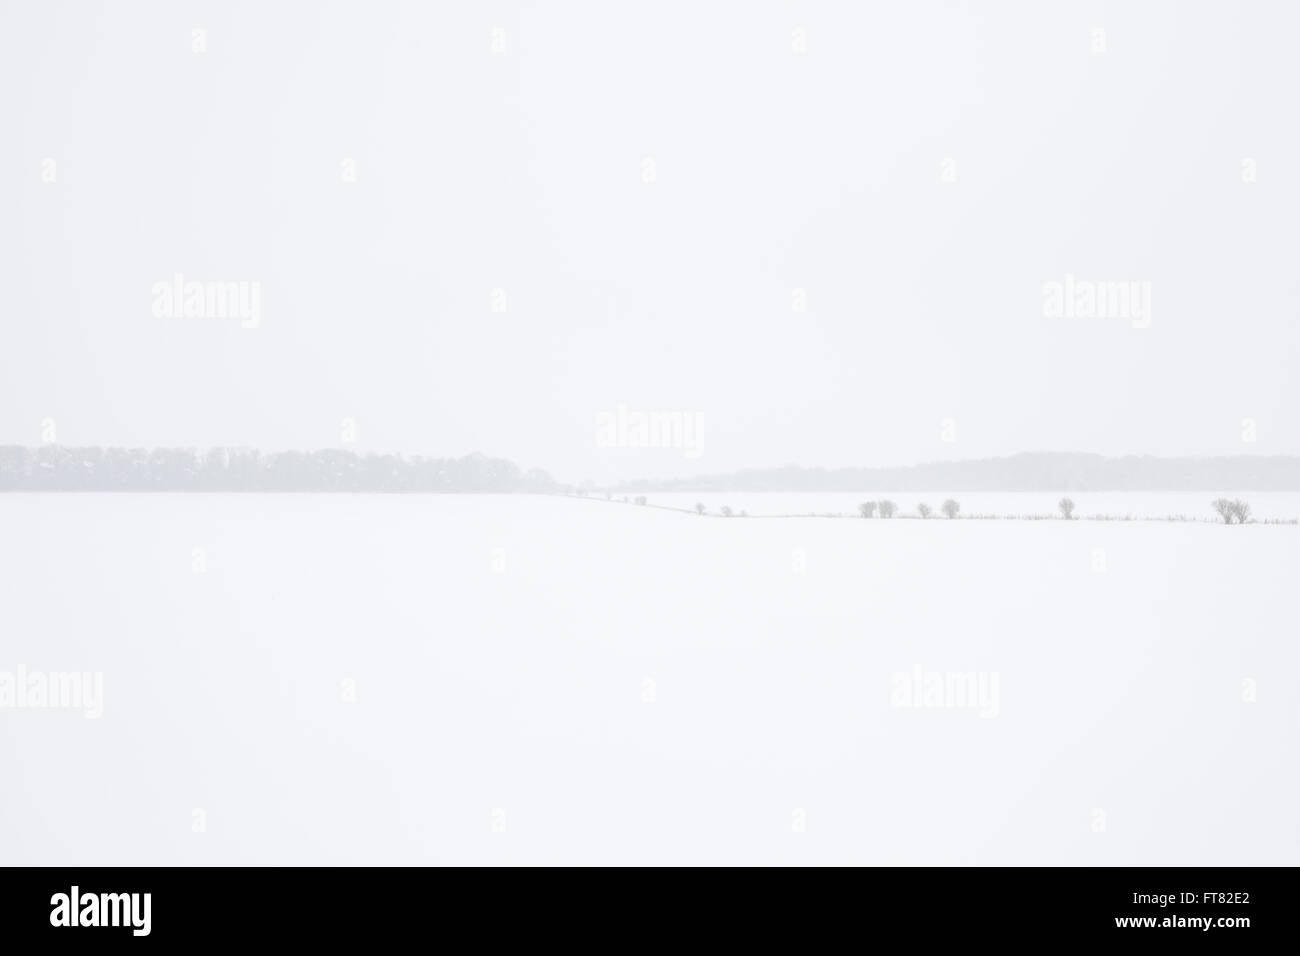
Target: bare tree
{"x":887,"y":508}
{"x":951,"y":507}
{"x":726,"y":511}
{"x":867,"y":509}
{"x":1224,"y":507}
{"x":1067,"y":508}
{"x":924,"y":510}
{"x":640,"y":499}
{"x":1240,"y":511}
{"x":699,"y":507}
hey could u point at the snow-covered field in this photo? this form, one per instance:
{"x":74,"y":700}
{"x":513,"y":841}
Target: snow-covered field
{"x":516,"y":679}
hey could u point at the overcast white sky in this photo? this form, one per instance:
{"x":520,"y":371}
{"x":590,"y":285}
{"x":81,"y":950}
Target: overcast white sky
{"x":524,"y":170}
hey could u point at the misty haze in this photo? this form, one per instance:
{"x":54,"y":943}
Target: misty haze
{"x":683,"y":434}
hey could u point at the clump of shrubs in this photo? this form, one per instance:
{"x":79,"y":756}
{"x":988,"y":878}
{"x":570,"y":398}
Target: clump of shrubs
{"x":1230,"y":511}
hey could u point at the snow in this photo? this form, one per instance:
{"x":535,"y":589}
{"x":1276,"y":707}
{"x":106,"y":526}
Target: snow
{"x":554,"y":680}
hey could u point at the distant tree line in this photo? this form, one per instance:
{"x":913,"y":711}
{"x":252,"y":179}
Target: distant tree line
{"x":1032,"y":471}
{"x":60,"y":468}
{"x":1233,"y":511}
